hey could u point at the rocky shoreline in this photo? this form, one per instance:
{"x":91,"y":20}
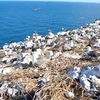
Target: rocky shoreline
{"x":62,"y":66}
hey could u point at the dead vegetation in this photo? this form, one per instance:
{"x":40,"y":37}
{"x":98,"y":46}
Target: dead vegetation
{"x":56,"y":69}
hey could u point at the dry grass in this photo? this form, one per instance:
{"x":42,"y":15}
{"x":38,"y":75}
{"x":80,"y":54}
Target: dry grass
{"x":56,"y":89}
{"x":56,"y":70}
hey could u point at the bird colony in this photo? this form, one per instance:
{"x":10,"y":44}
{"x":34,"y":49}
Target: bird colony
{"x":61,"y":66}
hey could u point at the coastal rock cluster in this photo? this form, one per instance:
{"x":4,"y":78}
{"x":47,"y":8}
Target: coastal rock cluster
{"x":58,"y":66}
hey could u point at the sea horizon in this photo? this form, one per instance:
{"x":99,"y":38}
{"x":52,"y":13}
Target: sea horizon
{"x":47,"y":1}
{"x":50,"y":1}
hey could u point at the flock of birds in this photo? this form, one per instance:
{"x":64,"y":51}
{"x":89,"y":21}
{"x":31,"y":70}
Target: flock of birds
{"x":38,"y":43}
{"x":37,"y":47}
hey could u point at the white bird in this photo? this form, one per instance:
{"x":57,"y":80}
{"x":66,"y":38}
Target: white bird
{"x":50,"y":53}
{"x":50,"y":35}
{"x":74,"y":73}
{"x":10,"y":52}
{"x":6,"y":46}
{"x":85,"y":82}
{"x":4,"y":86}
{"x":97,"y":44}
{"x":27,"y":60}
{"x":77,"y":69}
{"x":92,"y":53}
{"x":39,"y":51}
{"x":46,"y":80}
{"x":69,"y":95}
{"x":34,"y":56}
{"x":71,"y":44}
{"x":12,"y":91}
{"x":6,"y":60}
{"x":29,"y":44}
{"x":28,"y":38}
{"x":61,"y":33}
{"x":76,"y":37}
{"x":94,"y":79}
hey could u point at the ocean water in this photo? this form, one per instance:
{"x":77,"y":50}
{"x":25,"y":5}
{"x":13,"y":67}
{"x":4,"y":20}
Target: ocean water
{"x":19,"y":19}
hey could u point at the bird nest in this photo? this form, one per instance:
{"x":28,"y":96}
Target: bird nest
{"x":56,"y":89}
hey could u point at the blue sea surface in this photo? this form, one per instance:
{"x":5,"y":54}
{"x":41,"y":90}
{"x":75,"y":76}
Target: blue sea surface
{"x":19,"y":19}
